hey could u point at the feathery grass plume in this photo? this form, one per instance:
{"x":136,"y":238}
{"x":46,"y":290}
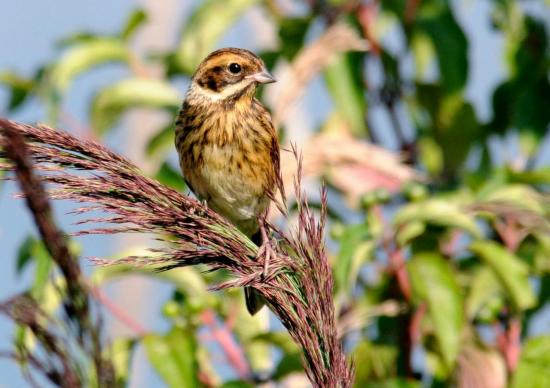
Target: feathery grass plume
{"x":26,"y":311}
{"x":298,"y":285}
{"x":58,"y":364}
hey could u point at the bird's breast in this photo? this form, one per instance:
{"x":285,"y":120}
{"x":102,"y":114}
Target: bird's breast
{"x":230,"y":185}
{"x":227,"y":162}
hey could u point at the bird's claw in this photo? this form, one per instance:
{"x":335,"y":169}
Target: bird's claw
{"x":266,"y":250}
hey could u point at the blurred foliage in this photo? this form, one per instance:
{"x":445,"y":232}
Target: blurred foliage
{"x":457,"y":261}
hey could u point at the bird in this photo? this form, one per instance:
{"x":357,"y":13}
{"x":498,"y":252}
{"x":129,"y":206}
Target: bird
{"x":227,"y":144}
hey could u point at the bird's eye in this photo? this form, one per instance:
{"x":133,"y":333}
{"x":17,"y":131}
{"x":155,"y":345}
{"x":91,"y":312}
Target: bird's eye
{"x":235,"y":68}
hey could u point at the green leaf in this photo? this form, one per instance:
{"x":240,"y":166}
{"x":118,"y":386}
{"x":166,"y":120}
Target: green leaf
{"x":434,"y":283}
{"x":20,"y":88}
{"x":247,"y":329}
{"x":533,"y":370}
{"x":510,"y":270}
{"x":83,"y":56}
{"x":137,"y":18}
{"x":532,"y":177}
{"x":24,"y":253}
{"x":485,"y":295}
{"x":291,"y":362}
{"x":356,"y":247}
{"x":377,"y":362}
{"x":521,"y":196}
{"x":205,"y":27}
{"x":531,"y":113}
{"x":449,"y":125}
{"x":437,"y":21}
{"x":394,"y":383}
{"x":442,"y":212}
{"x":292,"y":32}
{"x":188,"y":280}
{"x":520,"y":102}
{"x":424,"y":53}
{"x":458,"y":130}
{"x":111,"y":102}
{"x":345,"y":84}
{"x":409,"y":231}
{"x":75,"y":38}
{"x":173,"y":357}
{"x":168,"y":176}
{"x":120,"y":354}
{"x":280,"y":339}
{"x":33,"y":250}
{"x":237,"y":384}
{"x":44,"y":266}
{"x":541,"y":252}
{"x":431,"y":155}
{"x":161,"y":141}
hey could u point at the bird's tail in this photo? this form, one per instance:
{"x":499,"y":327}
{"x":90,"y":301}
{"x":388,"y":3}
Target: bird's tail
{"x":254,"y":301}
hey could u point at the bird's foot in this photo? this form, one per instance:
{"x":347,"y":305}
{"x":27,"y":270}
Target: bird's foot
{"x":266,"y":250}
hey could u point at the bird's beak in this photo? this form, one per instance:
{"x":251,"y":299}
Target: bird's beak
{"x":262,"y":77}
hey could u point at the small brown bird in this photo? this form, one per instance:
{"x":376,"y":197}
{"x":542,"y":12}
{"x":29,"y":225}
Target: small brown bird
{"x":227,"y":145}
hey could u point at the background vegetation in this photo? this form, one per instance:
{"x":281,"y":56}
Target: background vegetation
{"x":441,"y":256}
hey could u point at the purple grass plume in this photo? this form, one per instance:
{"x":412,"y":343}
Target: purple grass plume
{"x":298,"y":285}
{"x":62,"y":352}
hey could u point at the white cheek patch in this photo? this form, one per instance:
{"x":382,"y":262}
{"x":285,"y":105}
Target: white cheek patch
{"x":226,"y":92}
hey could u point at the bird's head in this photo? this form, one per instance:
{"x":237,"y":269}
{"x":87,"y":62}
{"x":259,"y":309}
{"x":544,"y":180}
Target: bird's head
{"x":230,"y":73}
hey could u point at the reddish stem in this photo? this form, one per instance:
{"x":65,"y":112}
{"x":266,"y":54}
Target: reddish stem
{"x":223,"y":337}
{"x":509,"y":339}
{"x":395,"y":256}
{"x":509,"y":343}
{"x":397,"y":262}
{"x":414,"y":327}
{"x":449,"y":247}
{"x":115,"y":310}
{"x":510,"y":233}
{"x":366,"y":14}
{"x":410,"y":10}
{"x":407,"y":325}
{"x":205,"y":379}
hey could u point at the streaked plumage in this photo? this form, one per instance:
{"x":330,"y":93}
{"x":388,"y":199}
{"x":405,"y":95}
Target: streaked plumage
{"x":227,"y":145}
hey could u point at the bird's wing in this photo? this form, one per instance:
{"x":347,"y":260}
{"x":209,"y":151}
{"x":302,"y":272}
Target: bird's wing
{"x":275,"y":158}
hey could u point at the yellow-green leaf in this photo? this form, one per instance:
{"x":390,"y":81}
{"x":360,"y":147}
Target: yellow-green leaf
{"x":20,"y":88}
{"x":161,"y":141}
{"x":377,"y":362}
{"x":114,"y":100}
{"x":205,"y":27}
{"x":409,"y":231}
{"x":438,"y":22}
{"x":434,"y":283}
{"x":533,"y":370}
{"x":356,"y":247}
{"x":169,"y":176}
{"x":85,"y":55}
{"x":485,"y":293}
{"x":345,"y":86}
{"x":522,"y":196}
{"x":174,"y":357}
{"x":136,"y":19}
{"x":120,"y":353}
{"x":442,"y":212}
{"x":510,"y":270}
